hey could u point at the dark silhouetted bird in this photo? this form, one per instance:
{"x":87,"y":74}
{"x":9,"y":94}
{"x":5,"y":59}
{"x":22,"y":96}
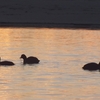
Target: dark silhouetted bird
{"x":29,"y":60}
{"x":6,"y":63}
{"x":91,"y":66}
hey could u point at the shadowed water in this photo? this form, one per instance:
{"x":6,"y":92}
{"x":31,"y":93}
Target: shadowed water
{"x":59,"y":75}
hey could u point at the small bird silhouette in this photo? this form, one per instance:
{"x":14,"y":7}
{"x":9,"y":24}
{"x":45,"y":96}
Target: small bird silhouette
{"x":91,"y":66}
{"x":29,"y":60}
{"x":6,"y":63}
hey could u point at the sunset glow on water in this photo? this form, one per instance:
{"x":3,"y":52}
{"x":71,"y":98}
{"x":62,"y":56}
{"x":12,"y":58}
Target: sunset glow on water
{"x":59,"y":75}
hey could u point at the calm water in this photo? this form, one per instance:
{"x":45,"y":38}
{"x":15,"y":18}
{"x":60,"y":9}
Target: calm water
{"x":59,"y":76}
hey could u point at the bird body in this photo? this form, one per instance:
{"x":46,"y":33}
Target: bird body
{"x":91,"y":66}
{"x":7,"y":63}
{"x":29,"y":60}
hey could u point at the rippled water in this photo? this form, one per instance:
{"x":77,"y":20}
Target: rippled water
{"x":59,"y":76}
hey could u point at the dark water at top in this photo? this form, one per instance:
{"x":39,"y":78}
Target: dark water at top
{"x":62,"y":54}
{"x":50,"y":11}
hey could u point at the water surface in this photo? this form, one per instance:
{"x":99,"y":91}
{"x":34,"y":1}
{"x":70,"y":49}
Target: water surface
{"x":62,"y":54}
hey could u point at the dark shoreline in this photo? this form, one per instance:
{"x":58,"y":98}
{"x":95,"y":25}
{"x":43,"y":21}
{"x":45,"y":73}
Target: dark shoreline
{"x":51,"y":25}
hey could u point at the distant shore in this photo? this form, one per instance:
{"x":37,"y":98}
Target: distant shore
{"x":50,"y":25}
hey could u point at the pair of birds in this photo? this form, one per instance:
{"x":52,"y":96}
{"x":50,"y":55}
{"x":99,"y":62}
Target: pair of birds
{"x":26,"y":60}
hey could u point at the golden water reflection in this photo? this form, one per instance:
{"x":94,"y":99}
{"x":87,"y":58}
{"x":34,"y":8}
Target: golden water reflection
{"x":62,"y":53}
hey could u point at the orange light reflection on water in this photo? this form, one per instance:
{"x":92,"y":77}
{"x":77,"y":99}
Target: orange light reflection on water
{"x":56,"y":77}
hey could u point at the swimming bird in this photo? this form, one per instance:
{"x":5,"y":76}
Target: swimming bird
{"x":91,"y":66}
{"x":29,"y":60}
{"x":6,"y":63}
